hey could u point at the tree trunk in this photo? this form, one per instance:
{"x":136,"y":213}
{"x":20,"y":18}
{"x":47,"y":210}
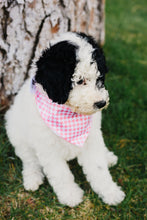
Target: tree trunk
{"x":26,"y":26}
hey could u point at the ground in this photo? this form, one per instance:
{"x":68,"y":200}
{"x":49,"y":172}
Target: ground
{"x":124,"y":128}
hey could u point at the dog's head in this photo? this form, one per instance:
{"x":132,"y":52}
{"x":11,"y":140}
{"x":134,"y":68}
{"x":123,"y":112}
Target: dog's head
{"x":72,"y":72}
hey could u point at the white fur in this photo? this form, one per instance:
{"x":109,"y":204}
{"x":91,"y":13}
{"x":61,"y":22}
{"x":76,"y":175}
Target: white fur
{"x":44,"y":153}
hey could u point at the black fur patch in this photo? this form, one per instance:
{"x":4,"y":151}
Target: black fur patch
{"x":97,"y":55}
{"x":55,"y":69}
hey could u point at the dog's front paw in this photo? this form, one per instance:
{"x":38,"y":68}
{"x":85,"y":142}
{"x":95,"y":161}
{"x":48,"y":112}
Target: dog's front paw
{"x":111,"y":159}
{"x":71,"y":195}
{"x":32,"y":180}
{"x":113,"y":196}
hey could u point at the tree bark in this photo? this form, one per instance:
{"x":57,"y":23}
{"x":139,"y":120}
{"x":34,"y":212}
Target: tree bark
{"x":26,"y":26}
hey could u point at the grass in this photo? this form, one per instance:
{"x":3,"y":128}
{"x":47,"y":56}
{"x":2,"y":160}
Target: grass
{"x":124,"y":127}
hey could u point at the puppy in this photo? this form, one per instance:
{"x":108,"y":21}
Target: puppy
{"x":59,"y":119}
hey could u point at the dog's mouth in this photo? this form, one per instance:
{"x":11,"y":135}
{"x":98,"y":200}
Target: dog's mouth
{"x":88,"y":111}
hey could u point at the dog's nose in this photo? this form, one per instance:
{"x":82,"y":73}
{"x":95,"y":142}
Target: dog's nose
{"x":100,"y":104}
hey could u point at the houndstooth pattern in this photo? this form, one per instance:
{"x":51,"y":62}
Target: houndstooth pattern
{"x":71,"y":126}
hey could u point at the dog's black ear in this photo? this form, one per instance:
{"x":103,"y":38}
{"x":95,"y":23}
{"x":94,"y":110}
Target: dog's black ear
{"x":99,"y":57}
{"x":55,"y":69}
{"x":97,"y":54}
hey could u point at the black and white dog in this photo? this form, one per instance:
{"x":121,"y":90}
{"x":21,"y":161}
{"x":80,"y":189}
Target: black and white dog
{"x":61,"y":120}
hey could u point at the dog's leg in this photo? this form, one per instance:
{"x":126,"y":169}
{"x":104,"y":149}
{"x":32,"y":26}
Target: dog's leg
{"x":93,"y":159}
{"x":32,"y":175}
{"x":111,"y":158}
{"x":60,"y":177}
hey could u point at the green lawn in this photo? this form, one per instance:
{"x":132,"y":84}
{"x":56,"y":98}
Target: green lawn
{"x":124,"y":127}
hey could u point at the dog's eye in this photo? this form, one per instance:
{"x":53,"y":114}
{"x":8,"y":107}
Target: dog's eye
{"x":81,"y":82}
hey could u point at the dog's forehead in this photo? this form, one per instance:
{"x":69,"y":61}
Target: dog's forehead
{"x":85,"y":49}
{"x":86,"y":67}
{"x":85,"y":70}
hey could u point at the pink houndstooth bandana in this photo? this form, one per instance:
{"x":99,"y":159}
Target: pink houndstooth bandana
{"x":71,"y":126}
